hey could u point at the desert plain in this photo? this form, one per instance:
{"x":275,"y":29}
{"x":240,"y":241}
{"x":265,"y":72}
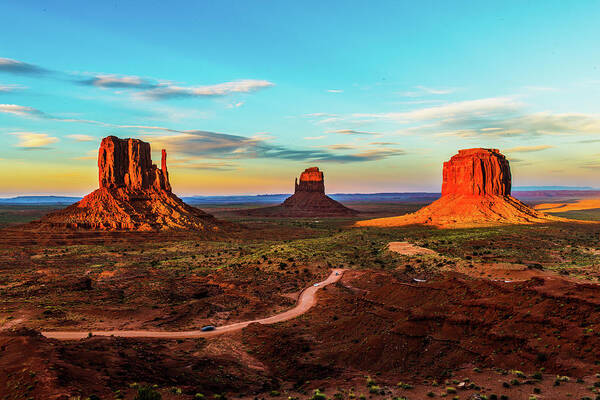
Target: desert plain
{"x":509,"y":311}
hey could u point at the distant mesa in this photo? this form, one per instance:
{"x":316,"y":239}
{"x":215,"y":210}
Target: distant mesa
{"x":476,"y":191}
{"x":134,"y":194}
{"x":309,"y":200}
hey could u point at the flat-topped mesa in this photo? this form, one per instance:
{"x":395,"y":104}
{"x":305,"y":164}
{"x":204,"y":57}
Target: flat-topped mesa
{"x":475,"y":192}
{"x":311,"y":180}
{"x":128,"y":163}
{"x":477,"y":172}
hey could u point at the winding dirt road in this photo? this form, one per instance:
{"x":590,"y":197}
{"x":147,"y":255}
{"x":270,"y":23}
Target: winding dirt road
{"x":306,"y":300}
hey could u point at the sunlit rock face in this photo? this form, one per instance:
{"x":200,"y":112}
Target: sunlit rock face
{"x":309,"y":197}
{"x":311,"y":180}
{"x":133,"y":194}
{"x":477,"y":172}
{"x":476,"y":191}
{"x":128,"y":163}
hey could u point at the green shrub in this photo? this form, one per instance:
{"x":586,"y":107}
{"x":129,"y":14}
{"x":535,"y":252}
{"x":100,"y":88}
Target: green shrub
{"x":147,"y":393}
{"x":317,"y":395}
{"x":374,"y":389}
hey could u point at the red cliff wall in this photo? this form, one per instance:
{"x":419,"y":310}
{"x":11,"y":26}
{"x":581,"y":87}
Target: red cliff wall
{"x":477,"y":172}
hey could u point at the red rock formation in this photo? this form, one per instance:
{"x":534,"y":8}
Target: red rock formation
{"x":308,"y":200}
{"x":134,"y":195}
{"x":128,"y":163}
{"x":477,"y":172}
{"x":475,"y":191}
{"x":311,"y":180}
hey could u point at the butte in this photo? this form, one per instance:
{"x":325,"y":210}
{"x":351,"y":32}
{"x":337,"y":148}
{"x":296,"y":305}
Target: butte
{"x":134,"y":195}
{"x":476,"y":191}
{"x":309,"y":200}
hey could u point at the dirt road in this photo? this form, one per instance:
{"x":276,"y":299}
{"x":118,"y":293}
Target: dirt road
{"x":306,"y":300}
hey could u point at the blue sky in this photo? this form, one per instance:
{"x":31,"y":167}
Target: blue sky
{"x":245,"y":95}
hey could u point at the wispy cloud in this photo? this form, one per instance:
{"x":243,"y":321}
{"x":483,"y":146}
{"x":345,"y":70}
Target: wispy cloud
{"x":351,"y":132}
{"x":452,"y":111}
{"x":341,"y":146}
{"x":157,"y":90}
{"x":194,"y":164}
{"x":10,"y":88}
{"x":22,"y":111}
{"x":19,"y":67}
{"x":591,"y":165}
{"x":335,"y":91}
{"x":212,"y":145}
{"x":498,"y":116}
{"x":90,"y":155}
{"x":528,"y":149}
{"x":34,"y":141}
{"x":236,"y":105}
{"x":421,"y":91}
{"x":314,"y":137}
{"x":166,"y":91}
{"x":118,"y":81}
{"x":82,"y":138}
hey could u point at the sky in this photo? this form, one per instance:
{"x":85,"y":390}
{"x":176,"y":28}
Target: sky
{"x":244,"y":95}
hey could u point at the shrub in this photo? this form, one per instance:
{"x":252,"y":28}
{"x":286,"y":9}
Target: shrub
{"x":450,"y":390}
{"x":317,"y":395}
{"x":370,"y":381}
{"x":147,"y":393}
{"x":374,"y":389}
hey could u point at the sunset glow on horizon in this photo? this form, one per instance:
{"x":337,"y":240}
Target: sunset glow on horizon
{"x":246,"y":95}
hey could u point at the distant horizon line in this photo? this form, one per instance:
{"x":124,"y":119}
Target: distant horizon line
{"x":526,"y":188}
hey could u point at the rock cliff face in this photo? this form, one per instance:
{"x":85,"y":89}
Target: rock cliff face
{"x":134,"y":194}
{"x":311,"y":180}
{"x":308,"y":200}
{"x":477,"y":172}
{"x":475,"y":191}
{"x":128,"y":163}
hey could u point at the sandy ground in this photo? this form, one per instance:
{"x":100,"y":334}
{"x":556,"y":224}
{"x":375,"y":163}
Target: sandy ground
{"x":409,"y":249}
{"x":306,"y":300}
{"x":584,"y":204}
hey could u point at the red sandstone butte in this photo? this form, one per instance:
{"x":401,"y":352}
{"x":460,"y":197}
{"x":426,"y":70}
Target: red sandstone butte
{"x":309,"y":200}
{"x":477,"y":172}
{"x":476,"y":190}
{"x":311,"y":180}
{"x":133,"y":194}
